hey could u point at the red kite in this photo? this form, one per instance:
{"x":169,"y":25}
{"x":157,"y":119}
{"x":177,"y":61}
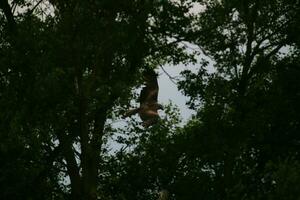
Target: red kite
{"x":148,"y":101}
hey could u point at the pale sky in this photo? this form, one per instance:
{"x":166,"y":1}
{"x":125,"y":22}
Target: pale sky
{"x":168,"y":90}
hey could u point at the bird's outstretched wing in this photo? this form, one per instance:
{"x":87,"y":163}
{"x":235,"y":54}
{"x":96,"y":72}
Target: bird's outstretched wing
{"x":131,"y":112}
{"x":149,"y":93}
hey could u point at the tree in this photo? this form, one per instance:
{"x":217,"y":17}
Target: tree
{"x":65,"y":67}
{"x":243,"y":120}
{"x":68,"y":69}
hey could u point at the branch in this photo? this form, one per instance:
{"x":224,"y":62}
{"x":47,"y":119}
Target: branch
{"x":65,"y":147}
{"x":271,"y":53}
{"x":166,"y":45}
{"x":13,"y":7}
{"x":8,"y":14}
{"x":170,"y":77}
{"x":269,"y":37}
{"x":276,"y":49}
{"x":35,"y":6}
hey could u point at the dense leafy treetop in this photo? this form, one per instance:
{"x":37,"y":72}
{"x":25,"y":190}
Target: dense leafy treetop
{"x":69,"y":69}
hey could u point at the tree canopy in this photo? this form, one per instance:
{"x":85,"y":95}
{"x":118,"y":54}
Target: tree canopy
{"x":70,"y":69}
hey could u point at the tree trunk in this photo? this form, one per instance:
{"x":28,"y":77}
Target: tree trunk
{"x":8,"y":14}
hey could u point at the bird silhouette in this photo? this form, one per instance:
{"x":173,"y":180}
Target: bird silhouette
{"x":148,"y":100}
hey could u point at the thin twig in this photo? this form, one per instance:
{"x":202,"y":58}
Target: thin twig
{"x":170,"y":77}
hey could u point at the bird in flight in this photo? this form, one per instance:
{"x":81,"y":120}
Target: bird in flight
{"x":148,"y":100}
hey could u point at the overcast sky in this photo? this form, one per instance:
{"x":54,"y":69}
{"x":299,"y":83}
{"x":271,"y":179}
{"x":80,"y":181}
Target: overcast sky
{"x":168,"y":90}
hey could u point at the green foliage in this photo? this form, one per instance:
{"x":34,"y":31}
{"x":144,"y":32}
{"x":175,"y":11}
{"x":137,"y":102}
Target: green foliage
{"x":65,"y":69}
{"x":68,"y":70}
{"x":243,"y":120}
